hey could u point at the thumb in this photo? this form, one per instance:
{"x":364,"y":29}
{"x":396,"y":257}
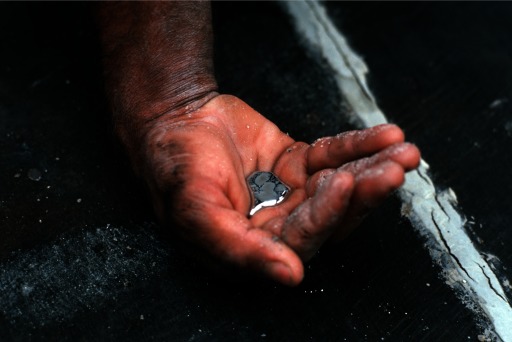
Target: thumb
{"x":229,"y":235}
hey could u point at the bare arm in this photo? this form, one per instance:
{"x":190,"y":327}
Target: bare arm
{"x":158,"y":61}
{"x":195,"y":148}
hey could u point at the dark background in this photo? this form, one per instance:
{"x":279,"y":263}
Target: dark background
{"x":81,"y":256}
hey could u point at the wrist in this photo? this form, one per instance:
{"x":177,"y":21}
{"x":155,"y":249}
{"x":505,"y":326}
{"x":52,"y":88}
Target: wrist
{"x":158,"y":63}
{"x":132,"y":120}
{"x":136,"y":130}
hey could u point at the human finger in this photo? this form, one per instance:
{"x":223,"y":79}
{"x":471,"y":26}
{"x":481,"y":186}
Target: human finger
{"x":404,"y":154}
{"x":317,"y":180}
{"x":331,"y":152}
{"x":372,"y":187}
{"x":230,"y":236}
{"x":291,"y":165}
{"x":313,"y":221}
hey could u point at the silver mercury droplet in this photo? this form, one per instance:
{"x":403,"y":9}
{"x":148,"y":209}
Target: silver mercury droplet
{"x":266,"y":189}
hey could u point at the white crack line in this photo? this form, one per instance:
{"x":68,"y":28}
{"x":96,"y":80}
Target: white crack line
{"x":433,"y":214}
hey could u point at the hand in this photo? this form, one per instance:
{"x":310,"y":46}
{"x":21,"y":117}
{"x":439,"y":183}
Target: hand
{"x":196,"y":166}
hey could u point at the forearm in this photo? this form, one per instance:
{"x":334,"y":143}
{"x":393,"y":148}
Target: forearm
{"x":157,"y":59}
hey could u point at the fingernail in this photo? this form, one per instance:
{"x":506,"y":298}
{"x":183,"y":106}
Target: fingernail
{"x":280,"y":272}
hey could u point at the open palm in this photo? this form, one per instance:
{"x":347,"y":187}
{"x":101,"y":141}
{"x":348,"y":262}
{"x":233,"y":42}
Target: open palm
{"x":196,"y":166}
